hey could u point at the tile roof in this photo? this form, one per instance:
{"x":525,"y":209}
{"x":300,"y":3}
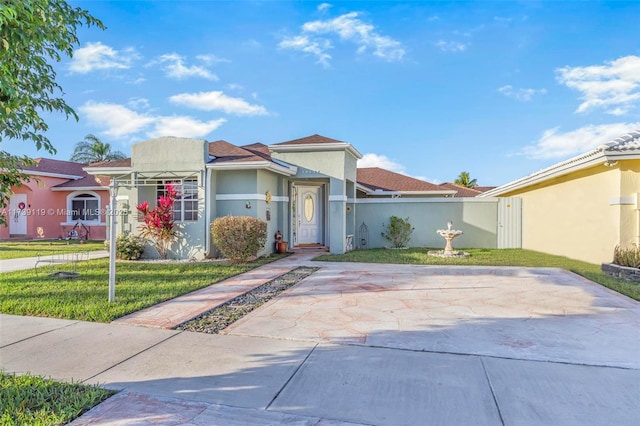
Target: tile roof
{"x":310,"y":140}
{"x":60,"y":167}
{"x":225,"y":152}
{"x":627,"y":144}
{"x":461,"y":191}
{"x":386,"y":180}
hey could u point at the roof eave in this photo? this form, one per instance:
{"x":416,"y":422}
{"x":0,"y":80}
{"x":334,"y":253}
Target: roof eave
{"x":81,"y":188}
{"x":105,"y":171}
{"x":313,"y":147}
{"x":249,"y":165}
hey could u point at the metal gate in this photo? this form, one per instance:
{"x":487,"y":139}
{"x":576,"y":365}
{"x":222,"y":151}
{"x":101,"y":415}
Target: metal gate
{"x":510,"y":222}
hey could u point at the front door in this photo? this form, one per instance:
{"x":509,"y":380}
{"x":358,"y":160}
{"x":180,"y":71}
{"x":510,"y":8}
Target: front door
{"x":309,"y":215}
{"x":18,"y":214}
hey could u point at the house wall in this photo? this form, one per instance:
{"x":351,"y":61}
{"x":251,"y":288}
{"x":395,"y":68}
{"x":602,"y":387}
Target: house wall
{"x":48,"y":210}
{"x":630,"y":202}
{"x":476,"y":217}
{"x":171,"y":158}
{"x":574,"y":215}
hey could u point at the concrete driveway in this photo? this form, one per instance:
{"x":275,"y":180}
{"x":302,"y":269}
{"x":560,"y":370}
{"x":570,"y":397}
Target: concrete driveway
{"x":536,"y":314}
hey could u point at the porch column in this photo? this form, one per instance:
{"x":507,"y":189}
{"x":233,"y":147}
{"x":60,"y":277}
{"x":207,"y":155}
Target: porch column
{"x":337,"y":216}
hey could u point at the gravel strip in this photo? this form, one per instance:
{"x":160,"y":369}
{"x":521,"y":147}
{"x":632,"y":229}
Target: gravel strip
{"x":219,"y":318}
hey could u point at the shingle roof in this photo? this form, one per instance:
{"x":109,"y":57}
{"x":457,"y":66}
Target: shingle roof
{"x":461,"y":191}
{"x":86,"y":182}
{"x":259,"y":149}
{"x":309,"y":140}
{"x":386,"y":180}
{"x":60,"y":167}
{"x":125,"y":162}
{"x":225,"y":152}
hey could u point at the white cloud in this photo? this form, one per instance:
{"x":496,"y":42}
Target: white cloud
{"x":520,"y":94}
{"x":118,"y":121}
{"x":451,"y":46}
{"x":211,"y":59}
{"x":318,"y":48}
{"x":323,"y":6}
{"x":613,"y":87}
{"x":174,"y":67}
{"x":182,"y":126}
{"x":554,"y":144}
{"x":98,"y":56}
{"x":347,"y":27}
{"x":218,"y":101}
{"x":138,"y":103}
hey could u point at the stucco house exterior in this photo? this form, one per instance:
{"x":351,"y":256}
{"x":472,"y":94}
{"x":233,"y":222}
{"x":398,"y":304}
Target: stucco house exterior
{"x":306,"y":188}
{"x":59,"y":198}
{"x":585,"y":206}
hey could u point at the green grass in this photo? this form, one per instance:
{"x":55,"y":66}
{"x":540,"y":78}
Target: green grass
{"x":34,"y":400}
{"x":138,"y":285}
{"x":15,"y":250}
{"x":490,"y":257}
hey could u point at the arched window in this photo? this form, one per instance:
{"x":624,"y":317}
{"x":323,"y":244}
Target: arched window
{"x":84,"y":206}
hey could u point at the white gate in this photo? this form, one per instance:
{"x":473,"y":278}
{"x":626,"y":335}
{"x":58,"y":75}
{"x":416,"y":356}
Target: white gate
{"x":510,"y":222}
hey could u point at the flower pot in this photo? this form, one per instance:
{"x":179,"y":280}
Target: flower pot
{"x":281,"y":247}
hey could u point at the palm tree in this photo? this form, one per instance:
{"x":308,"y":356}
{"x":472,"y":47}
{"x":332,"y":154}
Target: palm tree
{"x":465,"y":180}
{"x":92,"y":149}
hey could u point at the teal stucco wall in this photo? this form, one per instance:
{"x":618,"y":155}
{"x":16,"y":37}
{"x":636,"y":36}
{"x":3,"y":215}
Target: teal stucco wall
{"x":477,"y":218}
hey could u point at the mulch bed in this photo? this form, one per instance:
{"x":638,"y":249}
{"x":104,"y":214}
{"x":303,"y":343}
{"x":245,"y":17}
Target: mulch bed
{"x":219,"y":318}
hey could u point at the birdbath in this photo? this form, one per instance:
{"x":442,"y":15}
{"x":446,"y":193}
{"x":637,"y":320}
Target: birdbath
{"x":449,"y":234}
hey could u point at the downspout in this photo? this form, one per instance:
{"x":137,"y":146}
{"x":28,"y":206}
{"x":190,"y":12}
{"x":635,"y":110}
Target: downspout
{"x":207,"y":200}
{"x":638,"y":219}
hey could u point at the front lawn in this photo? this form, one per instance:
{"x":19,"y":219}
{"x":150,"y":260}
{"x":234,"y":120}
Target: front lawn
{"x":138,"y":285}
{"x":34,"y":400}
{"x":490,"y":257}
{"x":15,"y":250}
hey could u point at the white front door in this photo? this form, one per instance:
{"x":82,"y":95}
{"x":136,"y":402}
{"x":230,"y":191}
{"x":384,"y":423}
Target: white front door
{"x":309,"y":215}
{"x":18,"y":214}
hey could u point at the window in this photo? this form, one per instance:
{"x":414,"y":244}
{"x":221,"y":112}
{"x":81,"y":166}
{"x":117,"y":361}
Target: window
{"x":85,"y":207}
{"x":186,"y":207}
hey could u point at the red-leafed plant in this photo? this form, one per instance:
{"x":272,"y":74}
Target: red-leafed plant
{"x":159,"y":226}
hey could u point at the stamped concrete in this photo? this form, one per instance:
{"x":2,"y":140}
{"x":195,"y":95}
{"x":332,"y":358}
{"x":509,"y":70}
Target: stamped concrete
{"x":176,"y":311}
{"x":524,"y":313}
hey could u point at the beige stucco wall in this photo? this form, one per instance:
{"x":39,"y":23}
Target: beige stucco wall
{"x":630,"y":210}
{"x":330,"y":163}
{"x":572,"y":215}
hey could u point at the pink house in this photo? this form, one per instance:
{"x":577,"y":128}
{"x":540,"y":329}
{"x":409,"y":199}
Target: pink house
{"x":59,"y":201}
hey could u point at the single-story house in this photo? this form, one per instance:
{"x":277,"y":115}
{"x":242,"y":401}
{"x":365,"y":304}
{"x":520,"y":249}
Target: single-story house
{"x":61,"y":199}
{"x":585,"y":206}
{"x":305,"y":188}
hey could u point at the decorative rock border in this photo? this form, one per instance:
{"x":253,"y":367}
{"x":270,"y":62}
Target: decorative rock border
{"x":623,"y":272}
{"x":221,"y":317}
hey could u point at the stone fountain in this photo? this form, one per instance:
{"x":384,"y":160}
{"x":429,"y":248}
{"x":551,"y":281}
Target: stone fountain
{"x":448,"y":234}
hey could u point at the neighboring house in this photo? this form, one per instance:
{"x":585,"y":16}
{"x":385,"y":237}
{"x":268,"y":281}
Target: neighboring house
{"x":60,"y":199}
{"x":305,"y":188}
{"x":585,"y":206}
{"x":461,"y":191}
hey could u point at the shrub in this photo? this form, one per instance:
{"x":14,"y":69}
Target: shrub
{"x":397,"y":231}
{"x":627,"y":256}
{"x":129,"y":247}
{"x":159,"y":226}
{"x":239,"y":237}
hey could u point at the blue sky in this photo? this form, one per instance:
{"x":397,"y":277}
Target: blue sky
{"x":499,"y":89}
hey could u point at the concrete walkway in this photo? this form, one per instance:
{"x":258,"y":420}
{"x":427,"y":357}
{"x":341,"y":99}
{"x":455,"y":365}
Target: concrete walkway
{"x":268,"y":371}
{"x":30,"y":262}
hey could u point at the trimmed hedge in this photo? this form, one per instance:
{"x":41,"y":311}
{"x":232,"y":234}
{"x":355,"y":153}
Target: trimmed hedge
{"x":239,"y":237}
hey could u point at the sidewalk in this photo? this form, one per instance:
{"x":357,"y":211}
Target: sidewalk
{"x":30,"y":262}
